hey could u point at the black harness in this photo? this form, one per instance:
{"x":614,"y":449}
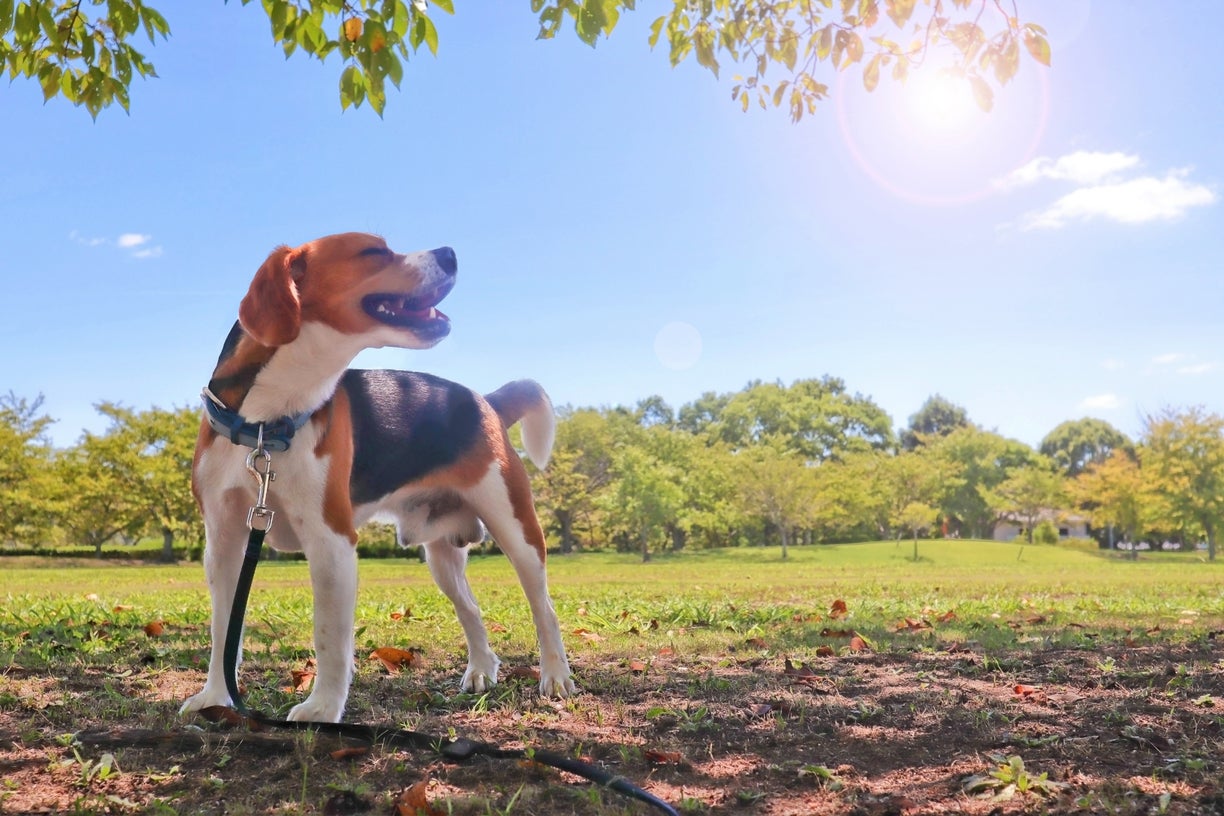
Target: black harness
{"x":459,"y":749}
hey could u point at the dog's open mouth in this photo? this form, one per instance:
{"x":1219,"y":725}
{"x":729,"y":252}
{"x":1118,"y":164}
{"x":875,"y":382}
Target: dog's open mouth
{"x":416,"y":311}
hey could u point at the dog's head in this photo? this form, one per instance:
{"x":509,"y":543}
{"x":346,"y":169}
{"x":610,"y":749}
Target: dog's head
{"x":354,"y":283}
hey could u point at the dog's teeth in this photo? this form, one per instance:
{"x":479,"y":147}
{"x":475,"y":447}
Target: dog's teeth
{"x":433,"y":313}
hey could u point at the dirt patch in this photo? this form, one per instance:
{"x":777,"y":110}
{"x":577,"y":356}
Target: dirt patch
{"x":1131,"y":731}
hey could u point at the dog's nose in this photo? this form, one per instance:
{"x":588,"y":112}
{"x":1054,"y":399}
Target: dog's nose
{"x":445,"y":256}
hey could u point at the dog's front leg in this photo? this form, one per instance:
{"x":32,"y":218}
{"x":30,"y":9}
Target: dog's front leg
{"x":222,"y":562}
{"x":333,"y":575}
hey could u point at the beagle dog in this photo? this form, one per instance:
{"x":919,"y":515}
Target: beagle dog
{"x":351,"y":445}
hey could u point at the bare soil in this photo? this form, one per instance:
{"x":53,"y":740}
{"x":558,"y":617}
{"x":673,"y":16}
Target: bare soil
{"x":1125,"y":729}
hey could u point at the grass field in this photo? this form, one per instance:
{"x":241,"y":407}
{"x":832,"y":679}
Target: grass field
{"x":724,"y":681}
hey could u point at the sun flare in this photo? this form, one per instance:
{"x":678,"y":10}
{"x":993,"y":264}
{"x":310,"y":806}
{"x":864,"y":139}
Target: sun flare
{"x":941,"y":103}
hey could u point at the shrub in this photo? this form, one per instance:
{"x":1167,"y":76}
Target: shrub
{"x":1045,"y":533}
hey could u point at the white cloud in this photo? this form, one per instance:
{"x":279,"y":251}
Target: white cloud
{"x":1106,"y":187}
{"x":78,"y":238}
{"x":136,"y":243}
{"x":1113,"y":364}
{"x":1135,"y":201}
{"x":1080,"y":167}
{"x":1196,"y":369}
{"x":1168,"y":359}
{"x":1100,"y":402}
{"x":129,"y":240}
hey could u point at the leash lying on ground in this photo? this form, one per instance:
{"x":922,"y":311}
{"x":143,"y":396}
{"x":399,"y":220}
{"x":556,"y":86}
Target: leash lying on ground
{"x":259,"y":521}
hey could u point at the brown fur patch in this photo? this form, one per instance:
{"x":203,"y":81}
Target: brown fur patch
{"x":334,"y":423}
{"x":204,"y":440}
{"x":271,"y":312}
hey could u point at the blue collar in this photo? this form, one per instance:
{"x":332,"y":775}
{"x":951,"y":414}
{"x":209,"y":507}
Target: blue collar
{"x":234,"y":427}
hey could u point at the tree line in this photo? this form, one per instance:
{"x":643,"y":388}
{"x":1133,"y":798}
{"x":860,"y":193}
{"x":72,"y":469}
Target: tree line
{"x":772,"y":463}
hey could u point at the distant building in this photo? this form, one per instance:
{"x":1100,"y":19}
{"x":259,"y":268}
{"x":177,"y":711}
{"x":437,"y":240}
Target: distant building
{"x":1071,"y":527}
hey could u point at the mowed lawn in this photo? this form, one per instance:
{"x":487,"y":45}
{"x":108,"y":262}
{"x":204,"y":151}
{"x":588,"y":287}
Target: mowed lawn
{"x":670,"y":653}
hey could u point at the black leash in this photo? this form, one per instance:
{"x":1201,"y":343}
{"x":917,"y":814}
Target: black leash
{"x":460,"y":749}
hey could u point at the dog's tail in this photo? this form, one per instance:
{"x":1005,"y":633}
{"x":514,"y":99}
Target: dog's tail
{"x":525,"y":400}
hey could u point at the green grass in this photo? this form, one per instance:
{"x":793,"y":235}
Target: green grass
{"x":670,"y":653}
{"x":1000,"y":595}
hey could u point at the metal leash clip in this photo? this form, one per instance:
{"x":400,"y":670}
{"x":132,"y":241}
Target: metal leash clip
{"x":259,"y":463}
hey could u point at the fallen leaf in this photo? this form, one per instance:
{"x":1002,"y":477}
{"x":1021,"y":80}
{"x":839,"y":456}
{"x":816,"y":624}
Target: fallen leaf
{"x":93,"y":596}
{"x":1035,"y":619}
{"x":838,"y":610}
{"x":392,"y":658}
{"x":522,"y":673}
{"x":155,"y":628}
{"x":911,"y":625}
{"x":666,"y":651}
{"x":947,"y":616}
{"x":637,"y":666}
{"x":350,"y":752}
{"x":302,"y":678}
{"x":837,"y":633}
{"x":222,"y":714}
{"x":404,"y":615}
{"x":413,"y":802}
{"x":1026,"y":690}
{"x":663,"y":757}
{"x":825,"y":651}
{"x":757,"y":643}
{"x":588,"y":636}
{"x":859,"y":644}
{"x":760,"y":710}
{"x":123,"y":608}
{"x":497,"y":627}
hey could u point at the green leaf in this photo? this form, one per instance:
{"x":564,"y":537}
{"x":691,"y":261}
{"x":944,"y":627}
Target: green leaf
{"x":871,"y":74}
{"x":431,"y":35}
{"x":1037,"y":45}
{"x":982,"y":93}
{"x":6,"y":16}
{"x":899,"y":11}
{"x":49,"y":79}
{"x":352,"y":87}
{"x":655,"y":29}
{"x":446,"y":5}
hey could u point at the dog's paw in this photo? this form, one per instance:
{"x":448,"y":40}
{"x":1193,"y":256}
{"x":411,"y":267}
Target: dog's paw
{"x":481,"y":674}
{"x":205,"y":699}
{"x":317,"y":710}
{"x":558,"y":686}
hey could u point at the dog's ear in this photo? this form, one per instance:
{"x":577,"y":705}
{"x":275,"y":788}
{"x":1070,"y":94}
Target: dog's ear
{"x":271,"y":312}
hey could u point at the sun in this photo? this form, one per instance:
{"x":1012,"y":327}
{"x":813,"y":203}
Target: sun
{"x":940,"y":104}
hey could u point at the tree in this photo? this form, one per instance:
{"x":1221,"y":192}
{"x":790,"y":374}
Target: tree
{"x":580,"y":470}
{"x":816,"y":418}
{"x":1027,"y":494}
{"x":1115,"y":493}
{"x":83,"y":52}
{"x":1184,"y":451}
{"x":778,"y":488}
{"x":1076,"y":445}
{"x":647,"y":495}
{"x":25,"y":470}
{"x":94,"y":504}
{"x":936,"y":417}
{"x":976,"y":461}
{"x":150,"y":454}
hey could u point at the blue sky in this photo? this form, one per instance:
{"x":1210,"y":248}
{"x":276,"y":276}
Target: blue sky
{"x":624,"y":230}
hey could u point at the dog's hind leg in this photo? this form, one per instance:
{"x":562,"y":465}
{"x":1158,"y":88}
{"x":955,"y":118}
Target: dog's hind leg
{"x":447,"y":562}
{"x":503,"y":501}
